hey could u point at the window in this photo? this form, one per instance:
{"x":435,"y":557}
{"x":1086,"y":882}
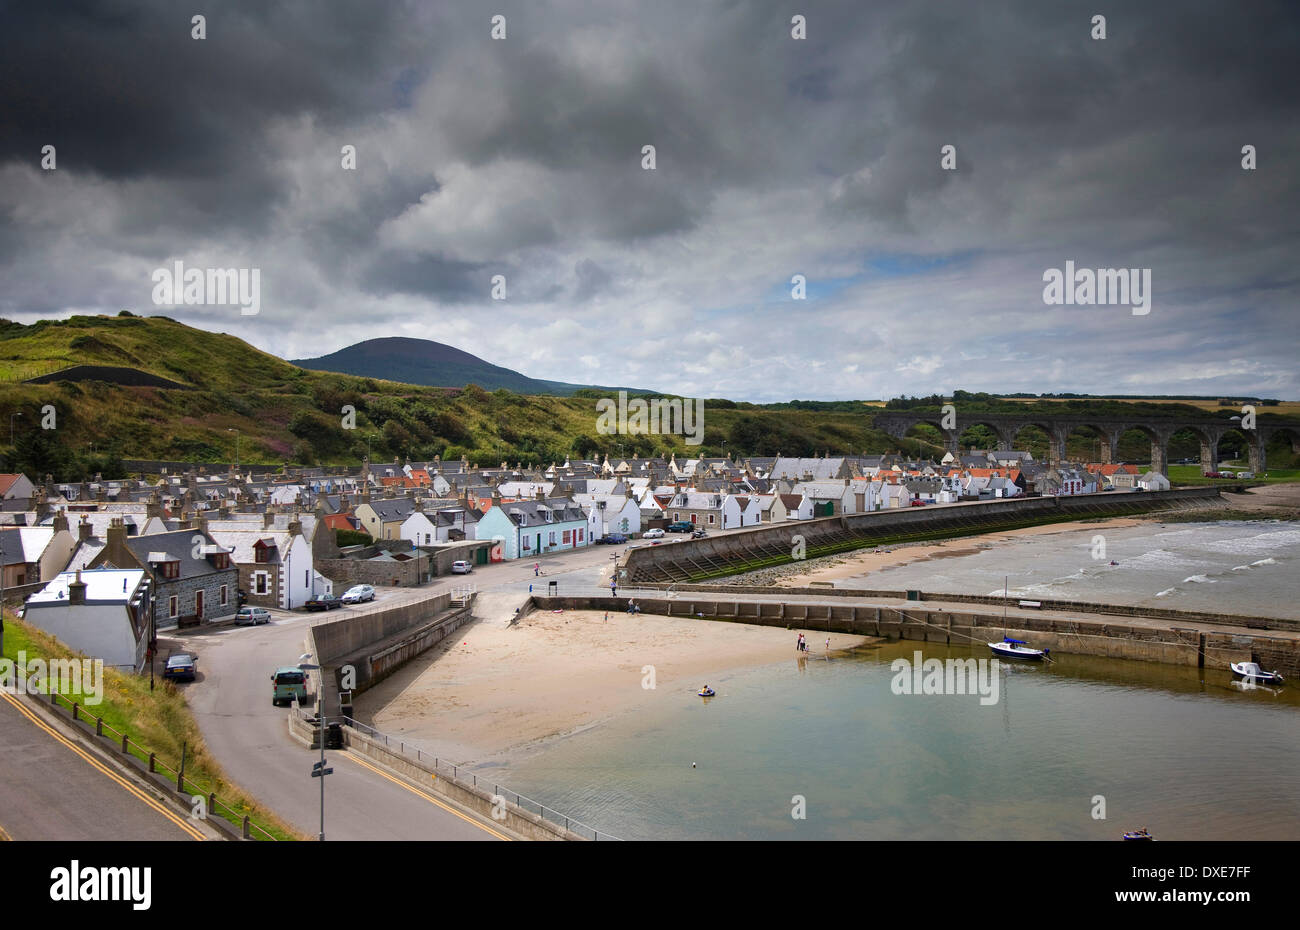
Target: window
{"x":172,"y":604}
{"x":551,"y":541}
{"x":580,"y":536}
{"x":260,"y":585}
{"x":426,"y":539}
{"x":224,"y":596}
{"x":710,"y":519}
{"x":526,"y":543}
{"x":568,"y":537}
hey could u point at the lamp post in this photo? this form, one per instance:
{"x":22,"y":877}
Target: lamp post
{"x":236,"y":432}
{"x":16,"y":413}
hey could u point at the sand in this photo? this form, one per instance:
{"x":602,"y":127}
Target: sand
{"x":500,"y":689}
{"x":861,"y":565}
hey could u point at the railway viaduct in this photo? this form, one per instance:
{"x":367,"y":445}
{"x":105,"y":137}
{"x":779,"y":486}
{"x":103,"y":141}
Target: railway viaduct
{"x":1059,"y":428}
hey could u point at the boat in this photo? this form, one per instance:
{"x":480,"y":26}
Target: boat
{"x":706,"y":691}
{"x":1015,"y":648}
{"x":1139,"y":835}
{"x":1018,"y":649}
{"x":1251,"y":672}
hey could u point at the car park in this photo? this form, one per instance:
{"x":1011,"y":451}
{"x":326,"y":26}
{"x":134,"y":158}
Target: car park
{"x":252,"y":616}
{"x":682,"y":526}
{"x":324,"y":602}
{"x":180,"y":667}
{"x":461,"y":568}
{"x":358,"y":593}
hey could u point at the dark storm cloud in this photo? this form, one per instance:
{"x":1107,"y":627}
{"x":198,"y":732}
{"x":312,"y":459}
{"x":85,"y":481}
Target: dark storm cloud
{"x":774,"y":157}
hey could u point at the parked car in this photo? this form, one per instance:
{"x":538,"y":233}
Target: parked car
{"x":358,"y":593}
{"x":180,"y":667}
{"x":324,"y":602}
{"x":700,"y":533}
{"x":461,"y":568}
{"x":918,"y":503}
{"x":1245,"y":474}
{"x":654,"y":534}
{"x":288,"y":683}
{"x":682,"y":526}
{"x":252,"y":616}
{"x":613,"y":539}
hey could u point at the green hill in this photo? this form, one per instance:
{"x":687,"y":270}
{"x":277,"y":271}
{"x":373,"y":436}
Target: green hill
{"x":287,"y":414}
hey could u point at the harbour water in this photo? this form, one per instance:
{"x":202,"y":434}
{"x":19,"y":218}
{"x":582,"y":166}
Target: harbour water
{"x":1183,"y":751}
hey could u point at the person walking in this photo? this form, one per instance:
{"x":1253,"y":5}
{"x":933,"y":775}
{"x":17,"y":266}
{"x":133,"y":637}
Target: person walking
{"x":613,"y":587}
{"x":537,"y":568}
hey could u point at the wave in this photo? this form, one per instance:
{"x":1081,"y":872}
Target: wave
{"x":1199,"y":579}
{"x":1241,"y":568}
{"x":1165,"y":592}
{"x":1265,"y":562}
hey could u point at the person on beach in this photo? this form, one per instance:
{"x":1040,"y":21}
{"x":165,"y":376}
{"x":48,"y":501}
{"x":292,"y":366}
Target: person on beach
{"x":537,"y":569}
{"x":799,"y":645}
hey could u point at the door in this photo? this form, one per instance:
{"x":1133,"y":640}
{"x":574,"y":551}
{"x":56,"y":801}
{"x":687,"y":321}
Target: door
{"x":198,"y":604}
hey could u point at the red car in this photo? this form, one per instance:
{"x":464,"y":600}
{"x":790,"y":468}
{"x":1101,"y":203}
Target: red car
{"x":918,"y":503}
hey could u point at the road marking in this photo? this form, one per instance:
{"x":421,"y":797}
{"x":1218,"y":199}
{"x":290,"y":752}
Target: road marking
{"x":431,"y":800}
{"x":4,"y":837}
{"x":101,"y":767}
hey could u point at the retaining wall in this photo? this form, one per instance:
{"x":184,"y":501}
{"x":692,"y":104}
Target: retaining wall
{"x":1096,"y":636}
{"x":713,"y":553}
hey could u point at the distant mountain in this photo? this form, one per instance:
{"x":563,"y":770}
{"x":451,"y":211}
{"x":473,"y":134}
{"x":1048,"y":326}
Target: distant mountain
{"x":433,"y":364}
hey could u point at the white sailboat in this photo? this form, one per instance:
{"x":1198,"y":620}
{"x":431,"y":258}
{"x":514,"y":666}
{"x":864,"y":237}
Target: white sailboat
{"x":1015,"y":648}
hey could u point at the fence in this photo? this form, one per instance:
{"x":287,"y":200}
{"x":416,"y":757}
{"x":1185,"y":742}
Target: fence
{"x":128,"y":747}
{"x":437,"y":766}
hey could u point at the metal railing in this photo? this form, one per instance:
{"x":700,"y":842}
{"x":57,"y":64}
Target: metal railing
{"x":440,"y":766}
{"x":126,"y":746}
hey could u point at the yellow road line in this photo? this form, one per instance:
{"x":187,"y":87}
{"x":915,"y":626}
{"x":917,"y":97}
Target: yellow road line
{"x":175,"y":818}
{"x":431,"y":800}
{"x":4,"y":837}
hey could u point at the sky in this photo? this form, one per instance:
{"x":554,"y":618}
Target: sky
{"x":774,"y":156}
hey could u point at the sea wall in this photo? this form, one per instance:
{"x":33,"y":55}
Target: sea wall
{"x":1095,"y":636}
{"x":734,"y":552}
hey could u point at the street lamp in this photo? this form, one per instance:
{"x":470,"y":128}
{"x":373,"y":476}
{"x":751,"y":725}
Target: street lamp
{"x":319,"y":770}
{"x":236,"y":432}
{"x":16,"y":413}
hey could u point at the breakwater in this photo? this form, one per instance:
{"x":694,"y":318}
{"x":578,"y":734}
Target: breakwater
{"x":763,"y":546}
{"x":1095,"y":634}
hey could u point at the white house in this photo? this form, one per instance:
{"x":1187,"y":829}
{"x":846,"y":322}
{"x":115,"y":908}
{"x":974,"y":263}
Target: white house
{"x":103,"y":613}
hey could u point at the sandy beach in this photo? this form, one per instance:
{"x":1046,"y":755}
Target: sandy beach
{"x":500,"y":688}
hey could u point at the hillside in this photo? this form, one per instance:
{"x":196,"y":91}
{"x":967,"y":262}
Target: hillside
{"x":287,"y":414}
{"x":433,"y":364}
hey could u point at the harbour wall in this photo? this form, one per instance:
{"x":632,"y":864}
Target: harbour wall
{"x":716,"y":556}
{"x":1095,"y":636}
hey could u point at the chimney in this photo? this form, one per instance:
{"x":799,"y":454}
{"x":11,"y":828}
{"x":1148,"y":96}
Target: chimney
{"x":117,"y":541}
{"x":268,"y":519}
{"x":83,"y":530}
{"x":77,"y":590}
{"x":60,"y":522}
{"x":295,"y":525}
{"x":153,"y":506}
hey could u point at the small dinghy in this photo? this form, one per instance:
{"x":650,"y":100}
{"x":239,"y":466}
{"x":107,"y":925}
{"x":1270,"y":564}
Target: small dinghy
{"x":706,"y":691}
{"x":1138,"y":836}
{"x":1018,"y":649}
{"x":1251,"y":672}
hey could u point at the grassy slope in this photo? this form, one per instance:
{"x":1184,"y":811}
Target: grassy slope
{"x":284,"y":413}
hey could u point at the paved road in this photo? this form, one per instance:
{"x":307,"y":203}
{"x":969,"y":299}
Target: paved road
{"x":231,"y":699}
{"x":55,"y":789}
